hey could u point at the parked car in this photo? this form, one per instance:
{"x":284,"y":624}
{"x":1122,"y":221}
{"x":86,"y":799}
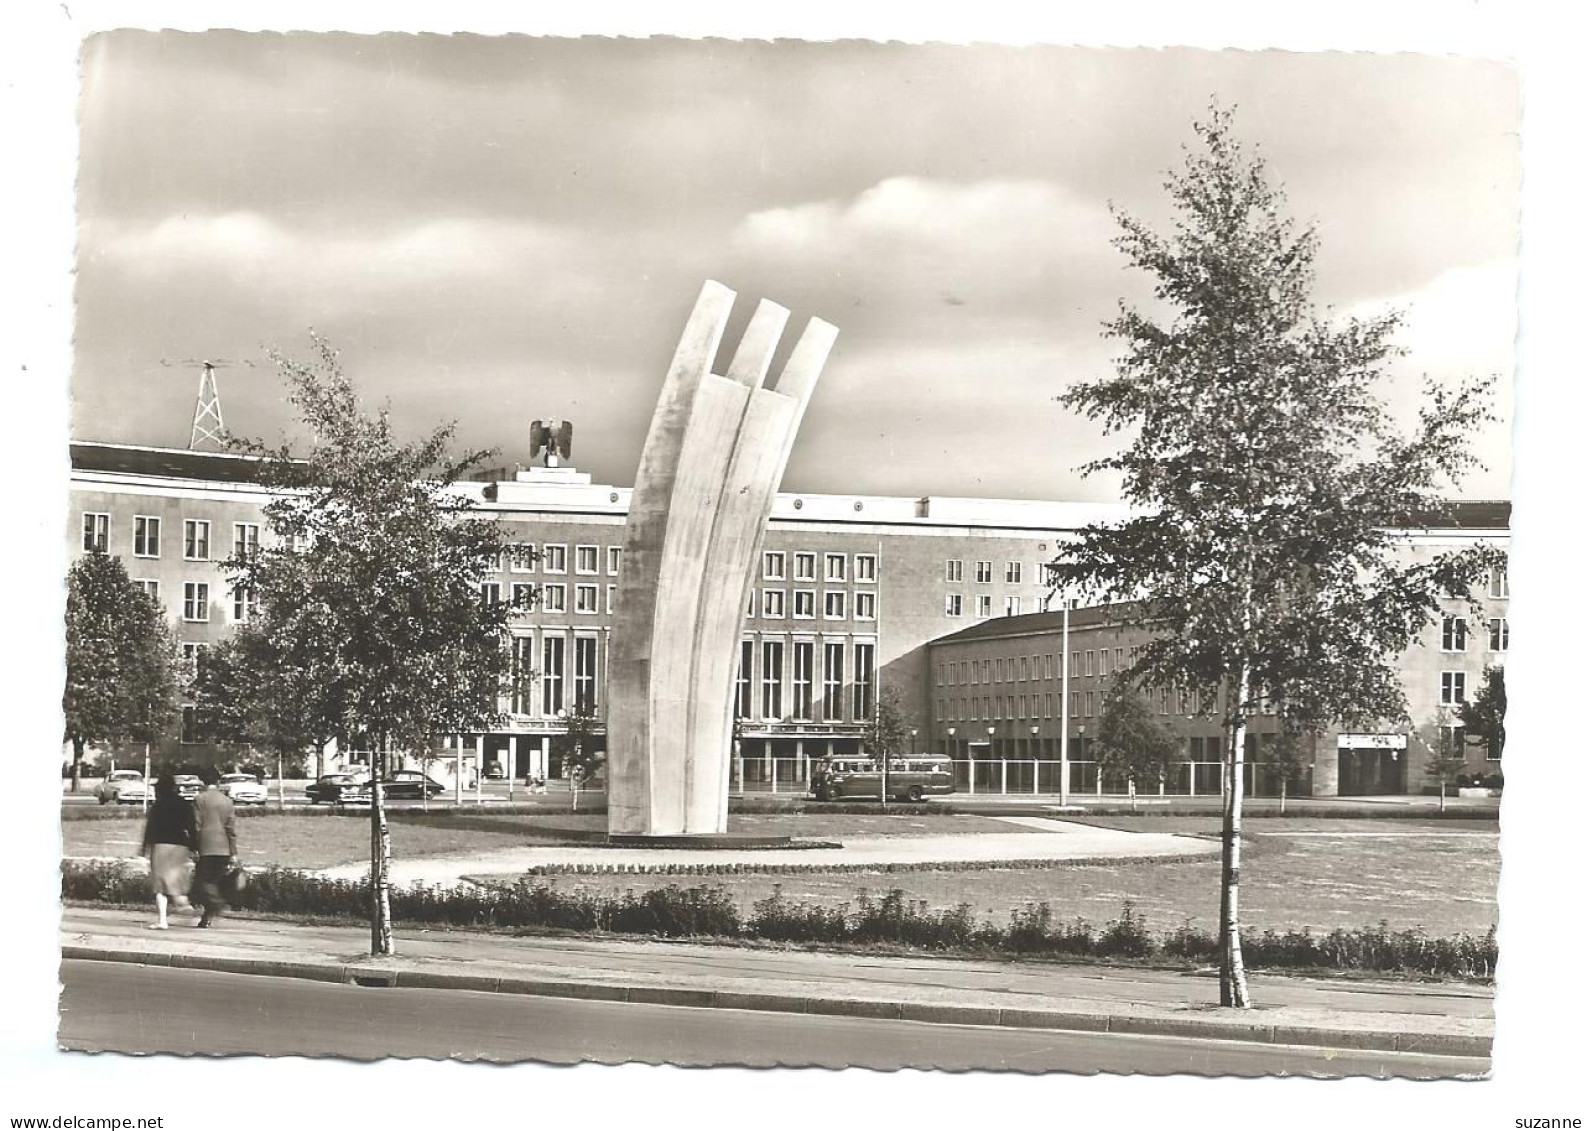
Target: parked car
{"x":124,"y":787}
{"x":189,"y":786}
{"x":244,"y":789}
{"x":338,"y":789}
{"x":410,"y":785}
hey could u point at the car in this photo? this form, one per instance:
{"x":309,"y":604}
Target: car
{"x":189,"y":786}
{"x":124,"y":787}
{"x":410,"y":785}
{"x":337,"y":789}
{"x":244,"y":789}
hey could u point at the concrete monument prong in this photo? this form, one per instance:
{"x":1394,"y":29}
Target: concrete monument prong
{"x":714,"y":456}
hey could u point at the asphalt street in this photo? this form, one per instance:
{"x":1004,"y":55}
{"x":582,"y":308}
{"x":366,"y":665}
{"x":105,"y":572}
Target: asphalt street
{"x":128,"y":1008}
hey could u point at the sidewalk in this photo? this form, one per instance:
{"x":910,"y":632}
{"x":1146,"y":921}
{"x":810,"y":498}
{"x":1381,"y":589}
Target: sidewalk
{"x":1450,"y":1019}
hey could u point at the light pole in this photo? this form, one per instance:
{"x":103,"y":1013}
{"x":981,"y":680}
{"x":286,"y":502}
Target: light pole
{"x":1066,"y":701}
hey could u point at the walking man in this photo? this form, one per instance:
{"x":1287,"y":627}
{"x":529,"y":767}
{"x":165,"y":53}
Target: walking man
{"x":218,"y":847}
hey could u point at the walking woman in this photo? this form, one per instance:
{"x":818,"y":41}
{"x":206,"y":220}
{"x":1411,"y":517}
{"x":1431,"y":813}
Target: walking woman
{"x":170,"y":838}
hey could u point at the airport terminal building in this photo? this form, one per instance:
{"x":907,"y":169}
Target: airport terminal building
{"x":854,"y":596}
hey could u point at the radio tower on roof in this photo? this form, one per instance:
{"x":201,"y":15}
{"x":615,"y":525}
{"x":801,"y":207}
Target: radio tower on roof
{"x":207,"y":422}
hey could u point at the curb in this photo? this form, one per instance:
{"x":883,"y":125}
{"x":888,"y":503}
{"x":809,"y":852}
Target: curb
{"x":1258,"y":1031}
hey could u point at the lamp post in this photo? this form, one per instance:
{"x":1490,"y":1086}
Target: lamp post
{"x":1033,"y":742}
{"x":1066,"y":700}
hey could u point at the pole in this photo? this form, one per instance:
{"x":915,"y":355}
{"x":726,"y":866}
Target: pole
{"x":458,"y":770}
{"x":146,"y":777}
{"x":281,"y":787}
{"x":1066,"y":702}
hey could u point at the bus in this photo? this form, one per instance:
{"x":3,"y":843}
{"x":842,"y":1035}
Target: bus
{"x":912,"y":778}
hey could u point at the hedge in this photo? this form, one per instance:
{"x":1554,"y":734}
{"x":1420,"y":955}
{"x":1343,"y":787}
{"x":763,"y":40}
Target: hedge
{"x":891,"y":919}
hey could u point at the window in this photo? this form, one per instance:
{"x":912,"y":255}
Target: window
{"x":984,"y":604}
{"x":985,"y":668}
{"x":953,"y":604}
{"x":96,"y":533}
{"x":552,"y":674}
{"x":1118,"y":664}
{"x":834,"y":567}
{"x":743,"y":683}
{"x":773,"y":679}
{"x":1014,"y":573}
{"x":523,"y":672}
{"x":1498,"y":635}
{"x":522,"y":594}
{"x":555,"y":559}
{"x":1452,"y":689}
{"x":806,"y":566}
{"x":195,"y":601}
{"x":522,"y":558}
{"x":245,"y":539}
{"x":1049,"y":703}
{"x":586,"y":665}
{"x":491,"y":592}
{"x":1088,"y":704}
{"x":1013,"y":606}
{"x":610,"y":598}
{"x":150,"y":588}
{"x":834,"y":604}
{"x":554,"y":599}
{"x":613,"y":560}
{"x":862,"y":685}
{"x":802,"y":679}
{"x":1455,"y":637}
{"x":190,"y":726}
{"x":146,"y":536}
{"x":865,"y":569}
{"x":1498,"y":584}
{"x":1022,"y":668}
{"x":1105,"y":661}
{"x":586,"y":559}
{"x":1048,"y":668}
{"x":1072,"y":704}
{"x":834,"y":679}
{"x":196,"y":540}
{"x":773,"y":566}
{"x":953,"y":571}
{"x":1077,"y":665}
{"x":983,"y":572}
{"x":193,"y":659}
{"x":804,"y":604}
{"x":242,"y":603}
{"x":586,"y":599}
{"x":864,"y":605}
{"x":774,"y":603}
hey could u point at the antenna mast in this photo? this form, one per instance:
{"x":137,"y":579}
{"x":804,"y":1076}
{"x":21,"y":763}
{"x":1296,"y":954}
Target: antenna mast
{"x":207,"y":423}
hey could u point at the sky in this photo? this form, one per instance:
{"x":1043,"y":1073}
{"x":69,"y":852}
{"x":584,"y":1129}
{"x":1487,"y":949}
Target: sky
{"x":499,"y":229}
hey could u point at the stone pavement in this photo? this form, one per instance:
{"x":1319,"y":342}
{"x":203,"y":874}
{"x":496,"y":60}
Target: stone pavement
{"x":1043,"y":841}
{"x":1446,"y":1018}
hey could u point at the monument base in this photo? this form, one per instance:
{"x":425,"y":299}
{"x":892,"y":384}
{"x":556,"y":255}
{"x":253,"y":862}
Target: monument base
{"x":712,"y":840}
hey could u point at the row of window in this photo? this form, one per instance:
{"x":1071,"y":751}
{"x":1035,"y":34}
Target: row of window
{"x":804,"y":566}
{"x":146,"y":536}
{"x":196,"y":599}
{"x":831,"y":702}
{"x":1014,"y":669}
{"x":551,"y":597}
{"x":984,"y":572}
{"x":804,"y":603}
{"x":1456,"y":633}
{"x":553,"y":557}
{"x":984,"y":602}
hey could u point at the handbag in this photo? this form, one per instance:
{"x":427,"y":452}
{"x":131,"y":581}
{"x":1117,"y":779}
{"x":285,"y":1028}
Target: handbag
{"x":236,"y":882}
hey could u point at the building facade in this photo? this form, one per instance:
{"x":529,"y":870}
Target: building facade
{"x":1012,"y":690}
{"x":848,"y":591}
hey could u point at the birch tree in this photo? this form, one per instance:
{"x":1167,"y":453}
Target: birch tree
{"x":370,"y":588}
{"x":1270,"y":480}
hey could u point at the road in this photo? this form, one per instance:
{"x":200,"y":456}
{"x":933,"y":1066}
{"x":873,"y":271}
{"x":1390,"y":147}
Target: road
{"x":126,"y":1008}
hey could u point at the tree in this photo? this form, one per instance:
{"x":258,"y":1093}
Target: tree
{"x":1445,"y":757}
{"x":578,"y":745}
{"x":370,"y":588}
{"x":1483,"y":716}
{"x":1132,"y":742}
{"x":1268,"y":478}
{"x":121,"y":679}
{"x":886,"y":735}
{"x":1287,"y":753}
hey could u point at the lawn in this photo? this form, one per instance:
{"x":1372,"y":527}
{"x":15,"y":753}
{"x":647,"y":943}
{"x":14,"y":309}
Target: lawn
{"x":323,"y":839}
{"x":314,"y":840}
{"x":1300,"y":872}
